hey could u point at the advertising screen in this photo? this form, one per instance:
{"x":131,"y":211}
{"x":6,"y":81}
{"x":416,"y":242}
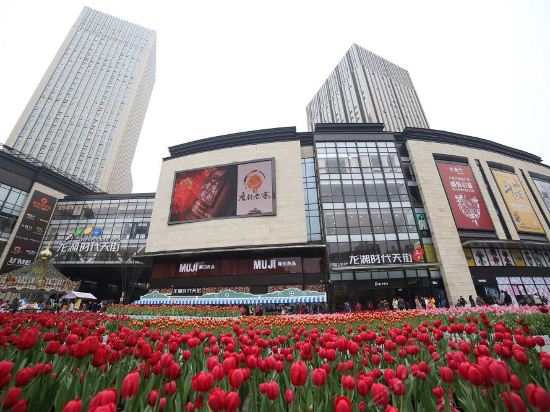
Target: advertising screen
{"x":517,"y":202}
{"x":235,"y":190}
{"x":30,"y":233}
{"x":544,"y":189}
{"x":467,"y":205}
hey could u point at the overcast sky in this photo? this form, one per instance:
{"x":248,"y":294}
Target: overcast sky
{"x":479,"y":67}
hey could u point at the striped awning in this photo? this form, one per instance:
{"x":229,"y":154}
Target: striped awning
{"x":257,"y":300}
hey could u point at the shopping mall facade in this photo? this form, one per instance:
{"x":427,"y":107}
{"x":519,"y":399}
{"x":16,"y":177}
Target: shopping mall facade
{"x":348,"y":209}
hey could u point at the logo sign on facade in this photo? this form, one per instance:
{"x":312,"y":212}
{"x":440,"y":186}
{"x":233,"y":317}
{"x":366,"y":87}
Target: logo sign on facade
{"x":388,"y":258}
{"x":88,"y":239}
{"x":196,"y":267}
{"x":30,"y":232}
{"x":243,"y":189}
{"x":381,"y":283}
{"x":260,"y":264}
{"x":518,"y":204}
{"x":467,"y":204}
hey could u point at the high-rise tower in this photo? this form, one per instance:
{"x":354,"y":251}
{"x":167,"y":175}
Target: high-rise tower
{"x":86,"y":114}
{"x":365,"y":88}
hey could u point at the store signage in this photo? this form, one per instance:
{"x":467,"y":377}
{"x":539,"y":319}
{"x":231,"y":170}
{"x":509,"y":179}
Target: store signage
{"x":376,"y":283}
{"x":467,"y":204}
{"x":30,"y":232}
{"x":232,"y":267}
{"x":243,"y":189}
{"x":388,"y":258}
{"x":90,"y":245}
{"x":196,"y":267}
{"x":187,"y":291}
{"x":518,"y":204}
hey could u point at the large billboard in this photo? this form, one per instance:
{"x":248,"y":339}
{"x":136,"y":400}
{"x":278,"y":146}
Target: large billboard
{"x":29,"y":235}
{"x":517,"y":202}
{"x":234,"y":190}
{"x":544,"y":189}
{"x":467,"y":205}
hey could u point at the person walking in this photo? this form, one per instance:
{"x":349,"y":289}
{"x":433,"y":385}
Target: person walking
{"x":472,"y":302}
{"x":14,"y":305}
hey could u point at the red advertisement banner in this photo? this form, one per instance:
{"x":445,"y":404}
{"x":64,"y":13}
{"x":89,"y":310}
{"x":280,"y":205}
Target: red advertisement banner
{"x":467,"y":205}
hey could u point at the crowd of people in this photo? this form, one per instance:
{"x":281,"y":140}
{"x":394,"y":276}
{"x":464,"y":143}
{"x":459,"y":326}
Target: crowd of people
{"x":52,"y":305}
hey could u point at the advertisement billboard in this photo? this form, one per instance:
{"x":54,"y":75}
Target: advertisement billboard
{"x":543,"y":187}
{"x":235,"y":190}
{"x":467,"y":205}
{"x":517,"y":202}
{"x":30,"y":233}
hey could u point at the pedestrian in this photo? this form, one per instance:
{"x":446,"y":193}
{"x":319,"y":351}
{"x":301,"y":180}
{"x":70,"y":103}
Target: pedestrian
{"x":507,"y":299}
{"x":395,"y":304}
{"x":461,"y":302}
{"x":14,"y":305}
{"x":472,"y":302}
{"x":417,"y":303}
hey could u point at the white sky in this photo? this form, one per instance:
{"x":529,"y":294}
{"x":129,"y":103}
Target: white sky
{"x":479,"y":67}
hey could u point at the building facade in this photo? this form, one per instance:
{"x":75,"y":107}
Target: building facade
{"x":95,"y":239}
{"x":365,"y":88}
{"x":360,"y":213}
{"x":85,"y":117}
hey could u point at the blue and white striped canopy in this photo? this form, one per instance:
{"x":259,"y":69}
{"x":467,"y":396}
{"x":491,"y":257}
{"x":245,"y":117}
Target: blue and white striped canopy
{"x":258,"y":300}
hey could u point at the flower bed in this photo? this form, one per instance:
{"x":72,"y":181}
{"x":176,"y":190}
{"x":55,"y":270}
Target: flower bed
{"x":467,"y":360}
{"x":174,"y":310}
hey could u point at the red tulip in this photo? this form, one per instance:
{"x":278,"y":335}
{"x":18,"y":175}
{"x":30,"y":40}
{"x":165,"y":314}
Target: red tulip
{"x":170,"y":388}
{"x":474,"y":375}
{"x":271,"y":389}
{"x":27,"y":339}
{"x":289,"y":396}
{"x":130,"y":385}
{"x":438,"y":392}
{"x":20,"y":406}
{"x":319,"y":377}
{"x":538,"y":397}
{"x":152,"y":397}
{"x":298,"y":373}
{"x":397,"y":387}
{"x":202,"y":382}
{"x":73,"y":406}
{"x":342,"y":404}
{"x":447,"y":374}
{"x":236,"y":378}
{"x":499,"y":372}
{"x":380,"y":394}
{"x":402,"y":372}
{"x":103,"y":398}
{"x":348,"y":382}
{"x":232,"y":401}
{"x":24,"y":376}
{"x":12,"y":396}
{"x":513,"y":402}
{"x":216,"y":399}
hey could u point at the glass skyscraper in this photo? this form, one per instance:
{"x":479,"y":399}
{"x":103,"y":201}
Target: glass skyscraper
{"x":365,"y":88}
{"x":86,"y":114}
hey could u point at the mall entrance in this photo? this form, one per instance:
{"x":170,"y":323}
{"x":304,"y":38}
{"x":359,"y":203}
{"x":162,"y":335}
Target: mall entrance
{"x":380,"y":294}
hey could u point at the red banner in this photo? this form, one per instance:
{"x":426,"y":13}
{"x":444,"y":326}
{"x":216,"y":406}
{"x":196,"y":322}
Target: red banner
{"x":467,"y":205}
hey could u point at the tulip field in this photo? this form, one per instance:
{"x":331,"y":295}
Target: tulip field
{"x":478,"y":359}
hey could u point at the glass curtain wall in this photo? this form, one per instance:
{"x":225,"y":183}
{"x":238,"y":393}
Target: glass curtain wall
{"x":122,"y":221}
{"x":311,"y":200}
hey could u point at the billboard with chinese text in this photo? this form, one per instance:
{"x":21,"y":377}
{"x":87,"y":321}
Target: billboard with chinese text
{"x":235,"y":190}
{"x":517,"y":202}
{"x":29,"y":235}
{"x":467,"y":204}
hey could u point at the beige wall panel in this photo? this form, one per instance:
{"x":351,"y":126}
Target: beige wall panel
{"x":455,"y":271}
{"x":288,"y":226}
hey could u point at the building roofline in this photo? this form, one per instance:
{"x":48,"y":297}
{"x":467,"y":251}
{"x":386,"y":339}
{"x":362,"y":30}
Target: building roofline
{"x":278,"y":134}
{"x":111,"y":196}
{"x":441,"y":136}
{"x":47,"y":175}
{"x":349,"y":127}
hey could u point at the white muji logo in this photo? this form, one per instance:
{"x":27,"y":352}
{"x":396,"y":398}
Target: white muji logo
{"x":189,"y":267}
{"x":469,"y":208}
{"x":264,"y":264}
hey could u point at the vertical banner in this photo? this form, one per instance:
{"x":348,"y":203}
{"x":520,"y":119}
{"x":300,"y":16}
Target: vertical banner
{"x":254,"y":188}
{"x":31,"y":231}
{"x":467,"y":205}
{"x":517,"y":202}
{"x":543,"y":187}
